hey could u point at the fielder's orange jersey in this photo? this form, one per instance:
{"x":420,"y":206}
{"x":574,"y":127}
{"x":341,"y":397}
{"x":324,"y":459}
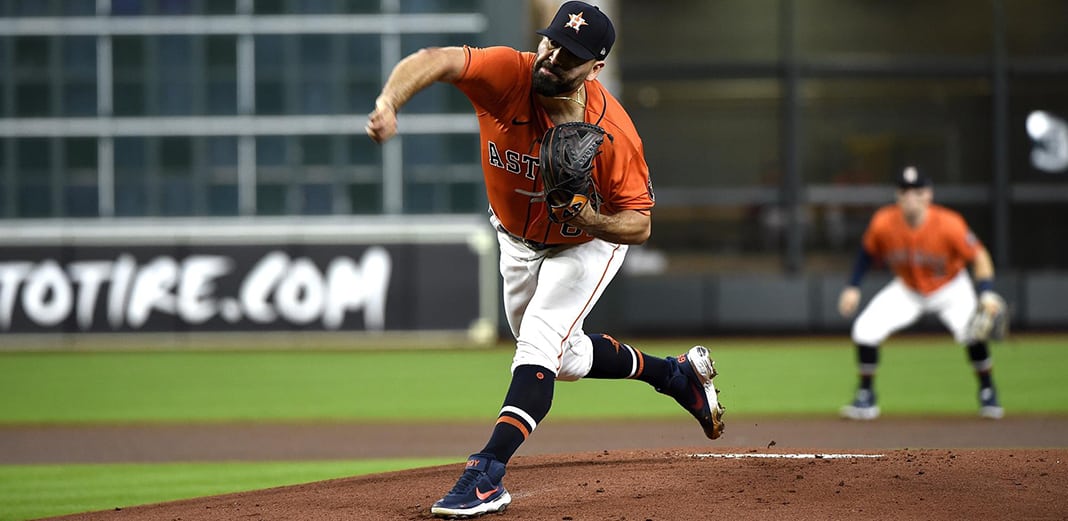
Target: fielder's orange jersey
{"x":927,"y":257}
{"x":511,"y":123}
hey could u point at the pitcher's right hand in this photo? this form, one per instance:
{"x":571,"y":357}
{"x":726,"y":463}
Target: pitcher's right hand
{"x":382,"y":121}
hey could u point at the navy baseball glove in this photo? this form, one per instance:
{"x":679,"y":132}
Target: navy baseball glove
{"x":566,"y":167}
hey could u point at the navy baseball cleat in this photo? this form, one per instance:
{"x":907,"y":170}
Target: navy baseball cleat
{"x":989,"y":407}
{"x":691,"y":385}
{"x":863,"y":406}
{"x":479,"y":491}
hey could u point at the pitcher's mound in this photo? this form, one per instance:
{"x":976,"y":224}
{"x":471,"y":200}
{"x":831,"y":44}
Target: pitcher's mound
{"x":683,"y":485}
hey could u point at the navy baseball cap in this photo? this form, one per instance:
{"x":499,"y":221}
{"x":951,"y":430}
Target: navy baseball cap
{"x":582,"y":29}
{"x":910,"y":177}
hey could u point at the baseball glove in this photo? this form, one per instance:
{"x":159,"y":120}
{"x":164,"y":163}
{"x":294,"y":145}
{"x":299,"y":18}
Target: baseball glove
{"x":566,"y":168}
{"x":986,"y":324}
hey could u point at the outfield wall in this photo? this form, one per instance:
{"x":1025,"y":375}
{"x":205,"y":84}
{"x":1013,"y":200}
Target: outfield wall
{"x":349,"y":277}
{"x":772,"y":303}
{"x":351,"y":281}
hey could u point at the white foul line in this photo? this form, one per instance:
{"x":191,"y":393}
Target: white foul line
{"x":739,"y":455}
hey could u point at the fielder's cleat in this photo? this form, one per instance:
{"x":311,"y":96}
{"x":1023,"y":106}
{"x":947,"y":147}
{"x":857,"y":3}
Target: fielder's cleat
{"x":478,"y":491}
{"x":691,"y":385}
{"x":989,"y":407}
{"x":862,"y":408}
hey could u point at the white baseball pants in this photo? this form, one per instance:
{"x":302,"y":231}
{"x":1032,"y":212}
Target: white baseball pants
{"x":547,"y":295}
{"x":897,"y":306}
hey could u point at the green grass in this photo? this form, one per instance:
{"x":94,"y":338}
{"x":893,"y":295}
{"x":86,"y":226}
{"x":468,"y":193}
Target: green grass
{"x":30,"y":491}
{"x":229,"y":386}
{"x":918,"y":376}
{"x":923,"y":375}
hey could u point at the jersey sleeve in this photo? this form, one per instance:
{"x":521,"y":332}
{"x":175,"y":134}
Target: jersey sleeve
{"x":626,"y":177}
{"x":961,"y":238}
{"x":488,"y":77}
{"x":871,"y":241}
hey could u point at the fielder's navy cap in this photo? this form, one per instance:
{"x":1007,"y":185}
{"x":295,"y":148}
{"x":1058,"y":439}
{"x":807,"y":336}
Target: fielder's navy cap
{"x":911,"y":177}
{"x":583,"y":30}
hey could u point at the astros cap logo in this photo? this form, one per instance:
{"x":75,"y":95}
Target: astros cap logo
{"x":582,"y":29}
{"x":575,"y":21}
{"x":910,"y":175}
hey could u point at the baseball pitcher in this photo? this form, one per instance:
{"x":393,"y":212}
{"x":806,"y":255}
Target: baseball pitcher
{"x":568,"y":190}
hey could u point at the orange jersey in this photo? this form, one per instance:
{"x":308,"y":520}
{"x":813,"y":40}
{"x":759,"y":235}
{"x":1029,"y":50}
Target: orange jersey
{"x":927,"y":257}
{"x":511,"y":123}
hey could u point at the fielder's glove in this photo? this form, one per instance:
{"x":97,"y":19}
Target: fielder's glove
{"x":990,"y":320}
{"x":566,"y":167}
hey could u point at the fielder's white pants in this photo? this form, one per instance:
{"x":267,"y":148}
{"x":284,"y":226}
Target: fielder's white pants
{"x":547,"y":295}
{"x":897,"y":306}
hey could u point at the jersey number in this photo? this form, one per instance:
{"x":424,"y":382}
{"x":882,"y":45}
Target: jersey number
{"x":569,"y":231}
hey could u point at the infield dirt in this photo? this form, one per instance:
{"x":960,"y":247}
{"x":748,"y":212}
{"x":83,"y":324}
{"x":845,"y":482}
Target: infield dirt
{"x":927,"y":469}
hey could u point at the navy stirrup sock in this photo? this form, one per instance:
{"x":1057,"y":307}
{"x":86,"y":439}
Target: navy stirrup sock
{"x":979,"y":356}
{"x":529,"y":398}
{"x":614,"y":360}
{"x":867,"y":363}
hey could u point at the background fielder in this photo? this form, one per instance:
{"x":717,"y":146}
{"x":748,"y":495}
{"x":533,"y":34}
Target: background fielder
{"x":553,"y":273}
{"x":927,"y":247}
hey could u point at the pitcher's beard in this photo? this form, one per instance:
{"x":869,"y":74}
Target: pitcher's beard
{"x":545,"y":85}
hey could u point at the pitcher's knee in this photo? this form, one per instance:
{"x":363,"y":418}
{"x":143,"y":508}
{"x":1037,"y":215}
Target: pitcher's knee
{"x":526,"y":353}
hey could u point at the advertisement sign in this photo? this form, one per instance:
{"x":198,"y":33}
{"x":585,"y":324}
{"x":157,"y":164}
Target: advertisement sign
{"x":256,"y":283}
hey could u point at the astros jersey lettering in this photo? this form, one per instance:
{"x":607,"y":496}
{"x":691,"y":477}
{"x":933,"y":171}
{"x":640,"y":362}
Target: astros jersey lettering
{"x":927,"y":257}
{"x":497,"y":80}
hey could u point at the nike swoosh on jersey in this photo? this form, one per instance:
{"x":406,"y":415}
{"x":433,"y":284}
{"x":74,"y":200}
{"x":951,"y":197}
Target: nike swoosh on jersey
{"x":482,"y":496}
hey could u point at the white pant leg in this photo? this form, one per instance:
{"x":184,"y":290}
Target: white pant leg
{"x":893,"y":308}
{"x":548,"y":295}
{"x":519,"y":266}
{"x":955,"y":303}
